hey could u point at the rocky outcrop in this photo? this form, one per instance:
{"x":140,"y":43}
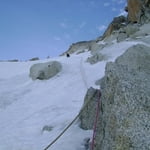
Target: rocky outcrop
{"x":115,"y":25}
{"x":13,"y":60}
{"x":81,"y":47}
{"x":141,"y":32}
{"x":124,"y":122}
{"x":87,"y":115}
{"x":134,"y":10}
{"x":96,"y":58}
{"x":44,"y":71}
{"x":34,"y":59}
{"x":122,"y":27}
{"x":138,"y":11}
{"x":131,"y":29}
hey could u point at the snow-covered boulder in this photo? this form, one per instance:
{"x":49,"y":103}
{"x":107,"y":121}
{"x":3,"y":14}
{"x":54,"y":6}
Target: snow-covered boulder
{"x":44,"y":71}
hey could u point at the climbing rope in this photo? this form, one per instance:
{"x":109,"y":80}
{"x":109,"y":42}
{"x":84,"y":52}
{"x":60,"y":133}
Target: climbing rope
{"x":49,"y":145}
{"x":96,"y":121}
{"x":95,"y":124}
{"x":46,"y":148}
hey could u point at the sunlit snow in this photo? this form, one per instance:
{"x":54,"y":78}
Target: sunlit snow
{"x":27,"y":106}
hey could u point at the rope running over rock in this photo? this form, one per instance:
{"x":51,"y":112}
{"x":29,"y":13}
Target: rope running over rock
{"x":96,"y":121}
{"x":47,"y":147}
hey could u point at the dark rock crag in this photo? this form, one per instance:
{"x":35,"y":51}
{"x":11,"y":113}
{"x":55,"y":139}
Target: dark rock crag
{"x":138,"y":13}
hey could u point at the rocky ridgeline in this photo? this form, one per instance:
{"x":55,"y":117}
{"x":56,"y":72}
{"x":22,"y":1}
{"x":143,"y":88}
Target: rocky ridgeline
{"x":121,"y":28}
{"x":124,"y":27}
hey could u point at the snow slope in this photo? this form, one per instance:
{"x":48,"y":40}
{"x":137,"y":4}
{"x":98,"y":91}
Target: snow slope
{"x":27,"y":106}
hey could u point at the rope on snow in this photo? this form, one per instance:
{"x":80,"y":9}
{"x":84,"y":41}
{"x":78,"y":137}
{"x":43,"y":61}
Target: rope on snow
{"x":70,"y":124}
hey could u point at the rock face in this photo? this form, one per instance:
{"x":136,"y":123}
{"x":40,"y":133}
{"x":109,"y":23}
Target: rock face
{"x":96,"y":58}
{"x":116,"y":24}
{"x":44,"y":71}
{"x":134,"y":10}
{"x":124,"y":122}
{"x":34,"y":59}
{"x":138,"y":11}
{"x":83,"y":46}
{"x":79,"y":46}
{"x":87,"y":116}
{"x":131,"y":29}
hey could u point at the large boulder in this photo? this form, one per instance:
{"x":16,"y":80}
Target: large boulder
{"x":124,"y":122}
{"x":44,"y":71}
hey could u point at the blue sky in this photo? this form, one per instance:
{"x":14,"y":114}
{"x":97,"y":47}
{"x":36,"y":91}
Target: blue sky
{"x":41,"y":28}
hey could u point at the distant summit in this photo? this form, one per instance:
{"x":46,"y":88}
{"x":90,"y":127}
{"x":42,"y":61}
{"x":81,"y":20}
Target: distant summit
{"x":138,"y":13}
{"x":121,"y":28}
